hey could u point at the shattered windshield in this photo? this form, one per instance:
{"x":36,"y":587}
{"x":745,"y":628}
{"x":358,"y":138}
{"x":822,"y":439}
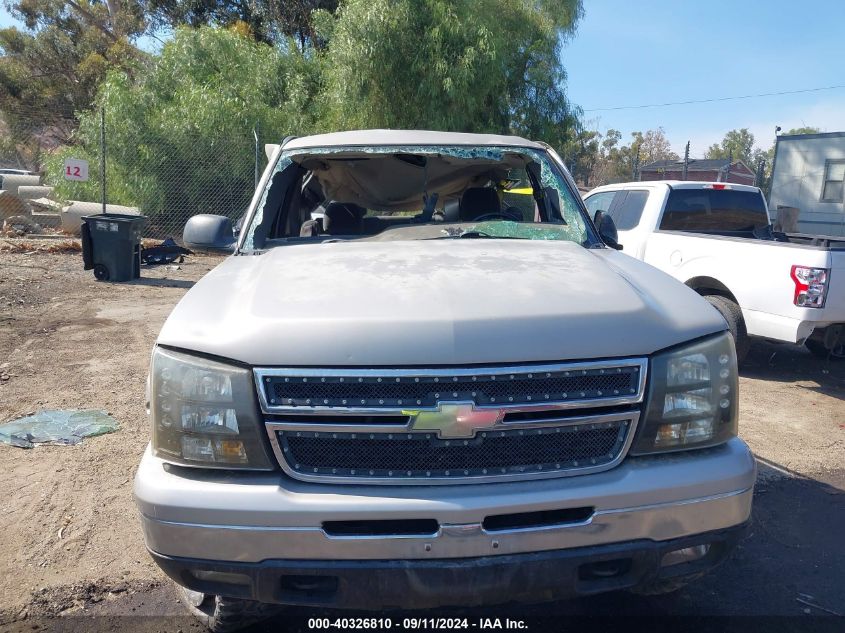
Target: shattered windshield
{"x":415,"y":192}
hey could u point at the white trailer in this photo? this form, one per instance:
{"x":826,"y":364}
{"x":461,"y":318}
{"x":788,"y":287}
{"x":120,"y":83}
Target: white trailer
{"x":809,"y":175}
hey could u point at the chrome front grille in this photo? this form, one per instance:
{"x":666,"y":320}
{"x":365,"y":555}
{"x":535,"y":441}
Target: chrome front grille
{"x":451,"y":425}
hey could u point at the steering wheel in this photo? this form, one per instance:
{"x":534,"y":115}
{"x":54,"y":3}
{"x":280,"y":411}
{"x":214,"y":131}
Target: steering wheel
{"x":495,"y":215}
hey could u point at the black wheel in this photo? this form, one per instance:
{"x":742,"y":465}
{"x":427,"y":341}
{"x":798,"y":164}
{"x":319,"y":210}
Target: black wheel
{"x":101,"y":272}
{"x":818,"y":349}
{"x":225,"y":615}
{"x":736,"y":324}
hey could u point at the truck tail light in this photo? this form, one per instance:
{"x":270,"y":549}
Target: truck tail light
{"x":717,"y":187}
{"x":810,"y":286}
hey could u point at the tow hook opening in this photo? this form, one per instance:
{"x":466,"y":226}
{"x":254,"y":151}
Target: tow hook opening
{"x":685,"y":555}
{"x":308,"y":587}
{"x":605,"y":569}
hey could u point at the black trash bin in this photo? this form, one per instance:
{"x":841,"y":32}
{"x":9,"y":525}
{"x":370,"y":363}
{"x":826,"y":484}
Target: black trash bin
{"x":111,"y":245}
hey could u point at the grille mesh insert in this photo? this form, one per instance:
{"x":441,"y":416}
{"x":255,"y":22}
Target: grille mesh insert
{"x":391,"y":391}
{"x":422,"y":455}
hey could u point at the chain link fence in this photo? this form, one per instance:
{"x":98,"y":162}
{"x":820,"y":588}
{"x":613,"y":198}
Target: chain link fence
{"x":57,"y":166}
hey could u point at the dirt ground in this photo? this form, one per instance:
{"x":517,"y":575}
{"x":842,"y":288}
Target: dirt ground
{"x":72,"y":544}
{"x":70,"y":342}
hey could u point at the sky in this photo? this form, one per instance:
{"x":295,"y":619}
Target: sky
{"x":639,"y":52}
{"x":629,"y":53}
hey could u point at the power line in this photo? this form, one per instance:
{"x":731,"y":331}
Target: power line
{"x":674,"y":103}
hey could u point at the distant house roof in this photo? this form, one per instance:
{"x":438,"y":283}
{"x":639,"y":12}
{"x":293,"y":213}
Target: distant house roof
{"x":695,"y":164}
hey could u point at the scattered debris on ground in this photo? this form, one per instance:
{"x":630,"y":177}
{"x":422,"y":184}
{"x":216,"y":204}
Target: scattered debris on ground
{"x":165,"y":253}
{"x":31,"y":246}
{"x":20,"y":225}
{"x":70,"y":599}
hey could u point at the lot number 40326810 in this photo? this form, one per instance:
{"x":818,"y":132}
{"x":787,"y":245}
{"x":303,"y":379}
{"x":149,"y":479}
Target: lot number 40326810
{"x":76,"y":169}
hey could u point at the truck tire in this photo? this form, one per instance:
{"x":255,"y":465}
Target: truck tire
{"x":736,"y":324}
{"x":225,"y":615}
{"x":818,"y":349}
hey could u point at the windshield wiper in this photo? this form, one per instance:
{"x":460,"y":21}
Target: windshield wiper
{"x":473,"y":235}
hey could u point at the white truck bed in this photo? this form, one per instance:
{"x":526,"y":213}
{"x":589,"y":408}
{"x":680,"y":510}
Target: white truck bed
{"x":715,"y":255}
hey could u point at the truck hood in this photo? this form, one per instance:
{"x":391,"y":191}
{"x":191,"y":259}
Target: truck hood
{"x":435,"y":302}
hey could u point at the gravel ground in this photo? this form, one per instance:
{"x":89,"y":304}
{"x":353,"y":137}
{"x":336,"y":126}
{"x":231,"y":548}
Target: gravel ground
{"x":72,"y":544}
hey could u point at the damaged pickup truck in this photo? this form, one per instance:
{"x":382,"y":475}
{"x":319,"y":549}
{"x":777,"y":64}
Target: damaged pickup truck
{"x":424,"y":378}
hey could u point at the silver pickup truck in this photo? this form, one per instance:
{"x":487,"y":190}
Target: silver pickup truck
{"x":424,"y":378}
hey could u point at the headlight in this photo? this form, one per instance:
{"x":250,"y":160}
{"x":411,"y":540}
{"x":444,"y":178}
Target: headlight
{"x":692,"y":399}
{"x":204,"y":413}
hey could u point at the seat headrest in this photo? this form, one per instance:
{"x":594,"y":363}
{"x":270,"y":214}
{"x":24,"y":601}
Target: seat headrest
{"x":451,"y":210}
{"x":343,"y":218}
{"x":478,"y":201}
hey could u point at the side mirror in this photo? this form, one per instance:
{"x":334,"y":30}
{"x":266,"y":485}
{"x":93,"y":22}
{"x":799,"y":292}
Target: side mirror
{"x":607,"y":230}
{"x":209,"y":232}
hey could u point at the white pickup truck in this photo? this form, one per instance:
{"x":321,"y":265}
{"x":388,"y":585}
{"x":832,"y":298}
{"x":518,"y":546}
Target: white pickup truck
{"x":716,"y":238}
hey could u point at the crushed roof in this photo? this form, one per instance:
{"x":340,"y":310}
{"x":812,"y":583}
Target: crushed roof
{"x":407,"y":137}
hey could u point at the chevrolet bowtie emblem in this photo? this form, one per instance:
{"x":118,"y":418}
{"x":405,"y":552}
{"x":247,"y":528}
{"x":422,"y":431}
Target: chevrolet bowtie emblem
{"x":455,"y":419}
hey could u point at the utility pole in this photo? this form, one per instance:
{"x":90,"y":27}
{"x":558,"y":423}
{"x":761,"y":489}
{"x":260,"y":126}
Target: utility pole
{"x":103,"y":156}
{"x":686,"y":161}
{"x":636,"y":175}
{"x":758,"y":177}
{"x":728,"y":168}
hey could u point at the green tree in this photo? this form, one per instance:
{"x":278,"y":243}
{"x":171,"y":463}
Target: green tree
{"x":802,"y":130}
{"x":654,"y":146}
{"x":446,"y":64}
{"x":55,"y":65}
{"x":180,"y":136}
{"x":581,"y":154}
{"x":619,"y":163}
{"x":51,"y":69}
{"x":736,"y":143}
{"x":269,"y":21}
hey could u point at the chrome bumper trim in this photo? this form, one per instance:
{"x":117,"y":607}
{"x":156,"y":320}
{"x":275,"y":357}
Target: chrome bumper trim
{"x":656,"y":522}
{"x":251,"y":517}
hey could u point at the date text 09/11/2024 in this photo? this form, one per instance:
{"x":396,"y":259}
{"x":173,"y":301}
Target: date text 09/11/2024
{"x":416,"y":624}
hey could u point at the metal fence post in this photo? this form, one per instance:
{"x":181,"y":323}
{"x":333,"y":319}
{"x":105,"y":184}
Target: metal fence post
{"x":103,"y":156}
{"x":257,"y":153}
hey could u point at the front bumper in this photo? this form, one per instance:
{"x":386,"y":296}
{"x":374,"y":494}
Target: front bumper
{"x":784,"y":328}
{"x":254,"y":517}
{"x":464,"y":582}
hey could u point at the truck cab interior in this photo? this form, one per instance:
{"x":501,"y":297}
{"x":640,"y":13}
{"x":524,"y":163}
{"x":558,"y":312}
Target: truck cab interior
{"x":352,"y":194}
